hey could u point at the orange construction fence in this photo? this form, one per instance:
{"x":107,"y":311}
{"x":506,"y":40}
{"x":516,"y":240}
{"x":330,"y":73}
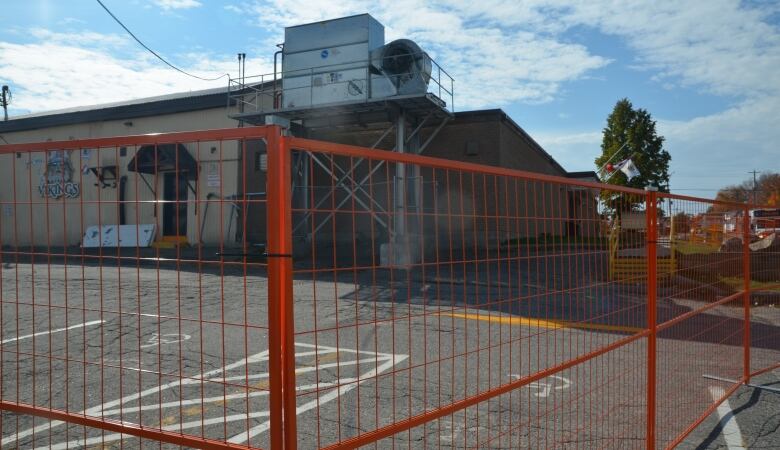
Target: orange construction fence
{"x":241,"y":288}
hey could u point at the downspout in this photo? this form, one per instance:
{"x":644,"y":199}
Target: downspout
{"x":122,"y":214}
{"x":205,"y":213}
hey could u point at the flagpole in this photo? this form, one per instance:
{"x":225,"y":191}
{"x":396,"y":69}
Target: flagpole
{"x":603,"y":167}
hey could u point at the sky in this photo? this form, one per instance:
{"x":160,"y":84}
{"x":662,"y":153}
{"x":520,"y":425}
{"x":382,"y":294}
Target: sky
{"x":707,"y":70}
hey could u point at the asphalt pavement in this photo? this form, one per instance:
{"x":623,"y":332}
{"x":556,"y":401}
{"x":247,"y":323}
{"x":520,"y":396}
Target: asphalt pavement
{"x":187,"y":351}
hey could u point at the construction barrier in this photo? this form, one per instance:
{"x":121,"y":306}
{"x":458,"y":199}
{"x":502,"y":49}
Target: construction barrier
{"x":241,"y":288}
{"x":630,"y":263}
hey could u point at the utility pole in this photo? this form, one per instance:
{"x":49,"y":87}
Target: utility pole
{"x":4,"y":101}
{"x":755,"y":184}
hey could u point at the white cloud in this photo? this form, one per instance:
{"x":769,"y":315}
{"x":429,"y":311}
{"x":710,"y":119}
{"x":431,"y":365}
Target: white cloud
{"x":492,"y":64}
{"x":720,"y":45}
{"x":71,"y":21}
{"x":574,"y":150}
{"x":744,"y":136}
{"x":708,"y":152}
{"x":553,"y":139}
{"x":499,"y":51}
{"x":505,"y":51}
{"x":80,"y":39}
{"x":723,"y":47}
{"x":502,"y":52}
{"x":177,"y":4}
{"x":63,"y":70}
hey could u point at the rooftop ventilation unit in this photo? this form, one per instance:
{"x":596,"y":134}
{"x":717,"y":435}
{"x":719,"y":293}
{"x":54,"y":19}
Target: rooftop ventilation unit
{"x":346,"y":60}
{"x":404,"y":65}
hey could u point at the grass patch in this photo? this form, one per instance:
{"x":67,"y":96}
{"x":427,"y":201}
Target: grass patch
{"x":545,"y":240}
{"x":694,"y":248}
{"x":736,"y":284}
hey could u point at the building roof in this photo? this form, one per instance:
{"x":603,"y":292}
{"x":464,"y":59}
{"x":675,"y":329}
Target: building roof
{"x":195,"y":101}
{"x":149,"y":106}
{"x":584,"y":175}
{"x":503,"y":116}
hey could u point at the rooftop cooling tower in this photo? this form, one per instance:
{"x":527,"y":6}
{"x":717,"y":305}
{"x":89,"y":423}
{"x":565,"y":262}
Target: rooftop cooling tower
{"x":404,"y":65}
{"x":345,"y":61}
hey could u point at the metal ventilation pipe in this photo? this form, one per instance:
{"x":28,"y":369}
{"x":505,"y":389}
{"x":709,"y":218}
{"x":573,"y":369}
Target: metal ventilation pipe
{"x":407,"y":65}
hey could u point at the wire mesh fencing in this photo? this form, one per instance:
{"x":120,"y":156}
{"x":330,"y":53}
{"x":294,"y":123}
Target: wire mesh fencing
{"x":133,"y":294}
{"x":245,"y":289}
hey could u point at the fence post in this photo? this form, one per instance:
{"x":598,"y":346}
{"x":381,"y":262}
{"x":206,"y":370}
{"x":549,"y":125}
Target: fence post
{"x":651,"y":218}
{"x":746,"y":289}
{"x":281,"y":345}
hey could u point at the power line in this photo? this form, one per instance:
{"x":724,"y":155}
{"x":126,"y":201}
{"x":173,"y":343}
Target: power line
{"x":152,"y":51}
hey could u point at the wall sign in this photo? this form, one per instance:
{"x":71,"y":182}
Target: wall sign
{"x":57,"y":178}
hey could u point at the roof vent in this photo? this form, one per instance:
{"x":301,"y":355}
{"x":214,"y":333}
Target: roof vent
{"x":405,"y":64}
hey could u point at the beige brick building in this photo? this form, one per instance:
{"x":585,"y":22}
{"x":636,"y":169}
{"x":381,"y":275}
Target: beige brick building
{"x":203,"y":205}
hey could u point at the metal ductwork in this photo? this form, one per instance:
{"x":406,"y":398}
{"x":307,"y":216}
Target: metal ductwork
{"x":405,"y":64}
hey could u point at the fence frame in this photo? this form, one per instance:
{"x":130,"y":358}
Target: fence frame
{"x":279,"y":254}
{"x":746,"y":292}
{"x":651,"y":238}
{"x":280,"y":314}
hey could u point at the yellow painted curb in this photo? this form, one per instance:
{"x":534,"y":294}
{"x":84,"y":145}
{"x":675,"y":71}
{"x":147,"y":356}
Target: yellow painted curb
{"x":541,"y":323}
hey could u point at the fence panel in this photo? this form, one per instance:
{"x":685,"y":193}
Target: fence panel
{"x":763,"y":267}
{"x":701,"y":314}
{"x":239,"y":288}
{"x":134,"y":296}
{"x":455,"y":305}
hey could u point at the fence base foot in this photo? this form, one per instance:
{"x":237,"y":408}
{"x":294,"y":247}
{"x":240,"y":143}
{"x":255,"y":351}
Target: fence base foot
{"x":729,"y":380}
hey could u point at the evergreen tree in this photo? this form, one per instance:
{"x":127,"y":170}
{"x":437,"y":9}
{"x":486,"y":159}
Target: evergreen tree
{"x":636,"y":129}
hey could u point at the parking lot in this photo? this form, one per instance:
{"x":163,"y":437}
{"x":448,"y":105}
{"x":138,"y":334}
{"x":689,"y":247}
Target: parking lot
{"x":184,"y":348}
{"x":750,"y":418}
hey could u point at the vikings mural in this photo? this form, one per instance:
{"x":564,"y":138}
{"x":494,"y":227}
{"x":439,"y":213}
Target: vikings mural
{"x":57,"y":178}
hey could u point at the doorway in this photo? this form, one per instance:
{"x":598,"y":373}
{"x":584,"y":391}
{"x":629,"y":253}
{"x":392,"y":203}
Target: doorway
{"x":175,"y":207}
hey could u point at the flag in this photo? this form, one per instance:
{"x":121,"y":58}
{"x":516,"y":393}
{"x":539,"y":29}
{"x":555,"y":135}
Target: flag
{"x":629,"y":168}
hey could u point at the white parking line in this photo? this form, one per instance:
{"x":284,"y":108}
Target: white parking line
{"x":242,"y":437}
{"x":545,"y":388}
{"x":376,"y":363}
{"x":220,"y":398}
{"x":728,"y":424}
{"x":96,"y":410}
{"x":58,"y":330}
